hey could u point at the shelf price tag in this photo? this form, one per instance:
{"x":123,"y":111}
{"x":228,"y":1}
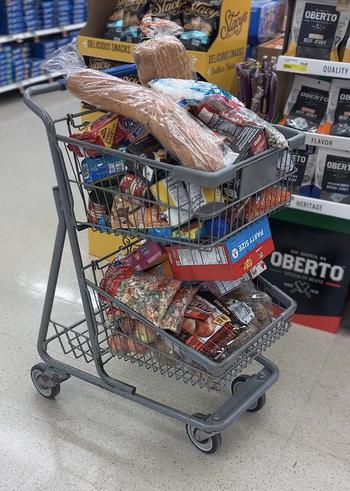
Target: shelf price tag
{"x":296,"y":67}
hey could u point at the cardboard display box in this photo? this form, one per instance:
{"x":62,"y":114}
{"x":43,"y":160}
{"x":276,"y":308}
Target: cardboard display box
{"x":216,"y":65}
{"x":311,"y":264}
{"x":228,"y":261}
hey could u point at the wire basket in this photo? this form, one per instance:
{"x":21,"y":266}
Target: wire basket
{"x":145,"y":198}
{"x":125,"y":334}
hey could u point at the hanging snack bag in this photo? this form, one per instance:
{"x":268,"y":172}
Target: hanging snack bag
{"x":332,"y":180}
{"x":318,"y":28}
{"x":167,"y":9}
{"x":162,"y":55}
{"x":306,"y":104}
{"x":115,"y":22}
{"x":305,"y":159}
{"x":201,"y":23}
{"x":346,"y":55}
{"x":337,"y":119}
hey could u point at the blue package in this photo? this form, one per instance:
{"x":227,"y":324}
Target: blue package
{"x":99,"y":168}
{"x":264,"y":21}
{"x":216,"y":227}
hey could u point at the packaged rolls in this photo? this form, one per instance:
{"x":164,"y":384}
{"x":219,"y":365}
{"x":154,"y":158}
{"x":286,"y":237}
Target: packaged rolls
{"x":318,"y":28}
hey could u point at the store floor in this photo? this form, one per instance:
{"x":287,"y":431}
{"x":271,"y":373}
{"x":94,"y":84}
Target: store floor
{"x":89,"y":439}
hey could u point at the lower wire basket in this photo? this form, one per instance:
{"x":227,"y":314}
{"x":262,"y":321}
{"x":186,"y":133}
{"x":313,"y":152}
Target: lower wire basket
{"x":157,"y":351}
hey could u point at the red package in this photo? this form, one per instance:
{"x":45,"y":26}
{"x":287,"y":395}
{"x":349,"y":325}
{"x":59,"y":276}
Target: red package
{"x":268,"y":199}
{"x":101,"y":132}
{"x":115,"y":274}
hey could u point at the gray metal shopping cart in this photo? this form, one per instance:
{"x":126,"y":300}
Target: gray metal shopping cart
{"x":81,"y":203}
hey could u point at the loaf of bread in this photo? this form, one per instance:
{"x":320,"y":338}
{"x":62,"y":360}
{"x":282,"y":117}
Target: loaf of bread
{"x":162,"y":57}
{"x":192,"y":144}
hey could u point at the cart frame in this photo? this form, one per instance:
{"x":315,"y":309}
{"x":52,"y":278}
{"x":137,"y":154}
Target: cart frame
{"x":48,"y":376}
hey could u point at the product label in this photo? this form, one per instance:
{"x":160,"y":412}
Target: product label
{"x":161,"y":8}
{"x":336,"y":175}
{"x":317,"y":31}
{"x":308,"y":110}
{"x":189,"y":257}
{"x":248,"y":239}
{"x":311,"y":265}
{"x":302,"y":158}
{"x":341,"y":126}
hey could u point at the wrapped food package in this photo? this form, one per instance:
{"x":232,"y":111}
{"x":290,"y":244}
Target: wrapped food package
{"x":193,"y":145}
{"x":174,"y":316}
{"x":163,"y":55}
{"x":337,"y":118}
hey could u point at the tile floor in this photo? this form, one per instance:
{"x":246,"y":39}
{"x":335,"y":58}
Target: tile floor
{"x":89,"y":439}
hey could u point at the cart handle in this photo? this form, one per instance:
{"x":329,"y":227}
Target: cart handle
{"x":36,"y":90}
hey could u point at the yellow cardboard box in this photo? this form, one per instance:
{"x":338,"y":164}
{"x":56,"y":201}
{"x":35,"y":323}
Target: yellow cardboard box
{"x":216,"y":65}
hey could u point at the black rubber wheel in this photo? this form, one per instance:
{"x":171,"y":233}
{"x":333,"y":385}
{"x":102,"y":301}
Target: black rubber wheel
{"x":259,"y":404}
{"x":41,"y":384}
{"x":210,"y":445}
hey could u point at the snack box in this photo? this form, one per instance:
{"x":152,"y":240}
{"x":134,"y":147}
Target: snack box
{"x":147,"y":255}
{"x":228,"y":261}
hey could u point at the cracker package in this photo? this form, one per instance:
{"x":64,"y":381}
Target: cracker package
{"x":332,"y":180}
{"x":318,"y":28}
{"x":307,"y":104}
{"x":337,"y":118}
{"x":124,"y":23}
{"x":201,"y":23}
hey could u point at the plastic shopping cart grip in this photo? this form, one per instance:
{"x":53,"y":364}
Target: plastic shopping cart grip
{"x":36,"y":90}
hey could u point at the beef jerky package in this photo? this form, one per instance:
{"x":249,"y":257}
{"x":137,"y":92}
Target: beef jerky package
{"x":115,"y":23}
{"x":346,"y":55}
{"x":305,"y":159}
{"x":307,"y":104}
{"x":167,"y":9}
{"x":201,"y":23}
{"x":337,"y":118}
{"x":318,"y":28}
{"x":332,"y":180}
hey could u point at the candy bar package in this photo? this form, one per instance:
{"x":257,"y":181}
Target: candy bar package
{"x":201,"y":23}
{"x":186,"y":139}
{"x":318,"y":28}
{"x":101,"y":132}
{"x":332,"y":180}
{"x":337,"y":119}
{"x":307,"y":104}
{"x":305,"y":159}
{"x":167,"y":9}
{"x":162,"y":55}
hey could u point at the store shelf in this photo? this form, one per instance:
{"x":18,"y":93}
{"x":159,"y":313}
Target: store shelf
{"x":328,"y":141}
{"x":305,"y":66}
{"x":321,"y":207}
{"x":37,"y":34}
{"x":30,"y":81}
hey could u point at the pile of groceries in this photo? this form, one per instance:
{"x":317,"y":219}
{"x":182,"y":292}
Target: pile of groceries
{"x":205,"y":299}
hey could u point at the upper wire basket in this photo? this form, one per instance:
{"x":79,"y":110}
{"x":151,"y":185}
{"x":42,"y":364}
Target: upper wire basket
{"x":139,"y":197}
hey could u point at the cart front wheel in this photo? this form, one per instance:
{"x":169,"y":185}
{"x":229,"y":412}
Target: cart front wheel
{"x":209,"y":444}
{"x":43,"y":383}
{"x":258,"y":404}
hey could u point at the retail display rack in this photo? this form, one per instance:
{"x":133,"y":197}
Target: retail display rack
{"x":20,"y":37}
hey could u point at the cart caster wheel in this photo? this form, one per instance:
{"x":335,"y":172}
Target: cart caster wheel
{"x":42,"y":383}
{"x":259,"y":404}
{"x":210,"y":445}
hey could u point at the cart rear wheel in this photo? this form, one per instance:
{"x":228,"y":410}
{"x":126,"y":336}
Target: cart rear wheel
{"x":208,"y":445}
{"x":259,"y":404}
{"x":43,"y":383}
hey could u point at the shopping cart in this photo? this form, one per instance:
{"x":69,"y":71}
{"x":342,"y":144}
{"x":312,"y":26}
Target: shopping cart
{"x":256,"y":187}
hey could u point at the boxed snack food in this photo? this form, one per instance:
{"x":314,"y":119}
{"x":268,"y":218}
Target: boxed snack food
{"x":337,"y":118}
{"x":264,"y":21}
{"x":306,"y":104}
{"x":145,"y":256}
{"x":318,"y":28}
{"x":102,"y":167}
{"x":228,"y":261}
